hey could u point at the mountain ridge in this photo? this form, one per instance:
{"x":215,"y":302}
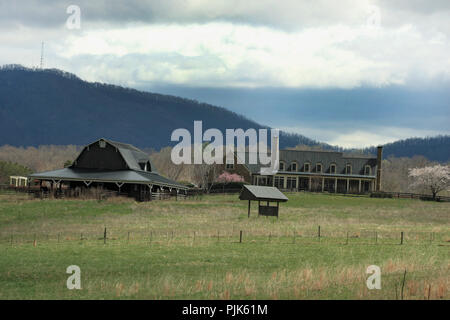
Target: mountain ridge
{"x":54,"y":107}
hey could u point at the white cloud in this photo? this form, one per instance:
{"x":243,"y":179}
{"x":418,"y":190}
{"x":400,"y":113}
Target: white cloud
{"x":235,"y":43}
{"x":225,"y":54}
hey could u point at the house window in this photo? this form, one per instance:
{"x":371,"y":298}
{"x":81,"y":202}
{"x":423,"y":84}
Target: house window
{"x":262,"y":181}
{"x":348,"y":169}
{"x":279,"y":182}
{"x":306,"y":167}
{"x":333,"y":168}
{"x":319,"y":167}
{"x":102,"y":143}
{"x":367,"y":170}
{"x":281,"y":166}
{"x":291,"y":183}
{"x":230,"y":166}
{"x":294,"y":166}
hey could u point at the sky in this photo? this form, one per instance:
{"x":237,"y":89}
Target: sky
{"x":349,"y":73}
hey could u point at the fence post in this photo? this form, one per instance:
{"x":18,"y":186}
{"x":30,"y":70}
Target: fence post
{"x":401,"y":237}
{"x":403,"y":283}
{"x":240,"y":236}
{"x":270,"y":236}
{"x":104,"y":237}
{"x":128,"y":237}
{"x":346,"y":241}
{"x":293,"y":240}
{"x":58,"y":236}
{"x":376,"y":237}
{"x":151,"y":236}
{"x":318,"y":233}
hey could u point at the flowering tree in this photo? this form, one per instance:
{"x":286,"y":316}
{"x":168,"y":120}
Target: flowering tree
{"x":435,"y":178}
{"x":229,"y":177}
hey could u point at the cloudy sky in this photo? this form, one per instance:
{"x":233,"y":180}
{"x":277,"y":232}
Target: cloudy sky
{"x":352,"y":73}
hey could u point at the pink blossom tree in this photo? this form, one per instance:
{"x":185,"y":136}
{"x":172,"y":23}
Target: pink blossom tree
{"x":435,"y":178}
{"x":227,"y":177}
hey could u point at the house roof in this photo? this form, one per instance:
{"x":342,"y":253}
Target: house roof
{"x":260,"y":193}
{"x":326,"y":158}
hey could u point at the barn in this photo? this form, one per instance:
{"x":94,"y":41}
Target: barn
{"x":109,"y":165}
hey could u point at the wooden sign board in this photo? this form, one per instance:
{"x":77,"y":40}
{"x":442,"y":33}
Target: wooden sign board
{"x":268,"y":211}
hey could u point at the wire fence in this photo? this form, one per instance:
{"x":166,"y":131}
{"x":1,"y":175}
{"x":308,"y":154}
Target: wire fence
{"x":196,"y":193}
{"x":320,"y":236}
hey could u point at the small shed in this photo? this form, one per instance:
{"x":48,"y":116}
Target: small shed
{"x":263,"y":194}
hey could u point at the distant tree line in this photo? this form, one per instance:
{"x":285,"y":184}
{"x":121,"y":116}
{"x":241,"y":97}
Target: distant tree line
{"x":8,"y":169}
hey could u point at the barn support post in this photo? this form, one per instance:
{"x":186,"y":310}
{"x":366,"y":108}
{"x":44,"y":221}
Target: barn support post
{"x":119,"y":185}
{"x":278,"y":208}
{"x":150,"y":191}
{"x":249,"y":208}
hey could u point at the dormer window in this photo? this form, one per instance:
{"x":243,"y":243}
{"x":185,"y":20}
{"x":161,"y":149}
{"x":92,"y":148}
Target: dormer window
{"x":333,"y":169}
{"x":306,"y":167}
{"x":102,"y":144}
{"x":145,"y":166}
{"x":281,"y":166}
{"x":348,"y":169}
{"x":367,"y":170}
{"x":294,"y":166}
{"x":318,"y":167}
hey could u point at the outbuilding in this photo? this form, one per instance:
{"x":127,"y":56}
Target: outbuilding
{"x":263,"y":194}
{"x":110,"y":165}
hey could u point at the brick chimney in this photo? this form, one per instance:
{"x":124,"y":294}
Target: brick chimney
{"x":379,"y":158}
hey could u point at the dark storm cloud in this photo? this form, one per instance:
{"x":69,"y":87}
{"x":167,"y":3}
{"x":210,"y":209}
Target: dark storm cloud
{"x":332,"y":109}
{"x":289,"y":14}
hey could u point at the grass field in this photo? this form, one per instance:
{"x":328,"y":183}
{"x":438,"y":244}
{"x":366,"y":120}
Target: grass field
{"x":191,"y":249}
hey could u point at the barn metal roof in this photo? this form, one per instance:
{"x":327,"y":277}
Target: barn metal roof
{"x":130,"y":154}
{"x":260,"y":193}
{"x":120,"y":176}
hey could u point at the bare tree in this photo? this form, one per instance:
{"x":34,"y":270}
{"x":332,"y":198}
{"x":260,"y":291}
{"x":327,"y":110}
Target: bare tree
{"x":204,"y":175}
{"x":162,"y":161}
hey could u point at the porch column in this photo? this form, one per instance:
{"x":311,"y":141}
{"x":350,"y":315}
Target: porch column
{"x":297,"y":180}
{"x":323,"y":184}
{"x":285,"y":183}
{"x":348,"y":185}
{"x":359,"y":187}
{"x":309,"y":184}
{"x":335,"y":185}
